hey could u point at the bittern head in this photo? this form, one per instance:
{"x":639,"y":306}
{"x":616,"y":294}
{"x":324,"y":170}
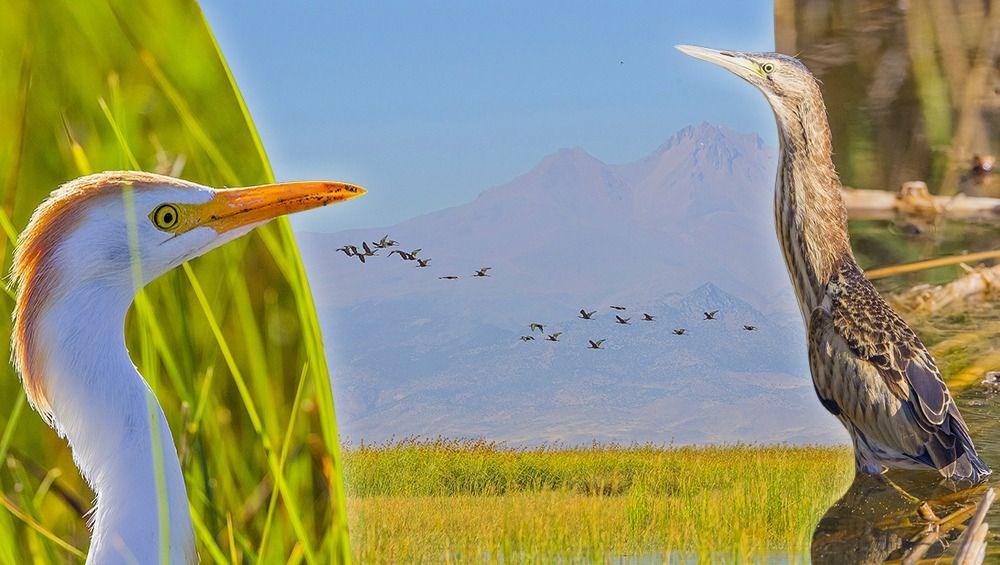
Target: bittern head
{"x":785,"y":81}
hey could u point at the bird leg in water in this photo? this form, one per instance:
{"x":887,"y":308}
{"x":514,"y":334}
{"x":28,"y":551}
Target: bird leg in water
{"x":902,"y":492}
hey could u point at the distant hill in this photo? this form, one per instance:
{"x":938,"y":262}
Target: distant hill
{"x":413,"y":354}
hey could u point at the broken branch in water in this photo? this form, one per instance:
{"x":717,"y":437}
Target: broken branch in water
{"x":927,"y":298}
{"x":972,"y":545}
{"x":914,"y":200}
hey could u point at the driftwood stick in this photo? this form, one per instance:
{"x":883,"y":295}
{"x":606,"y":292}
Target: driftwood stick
{"x":913,"y":199}
{"x":883,"y":272}
{"x":931,"y":536}
{"x":972,"y":545}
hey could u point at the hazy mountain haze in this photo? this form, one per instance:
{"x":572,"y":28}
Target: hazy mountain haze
{"x":686,"y":229}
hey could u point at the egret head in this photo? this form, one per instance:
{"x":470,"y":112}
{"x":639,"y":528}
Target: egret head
{"x":785,"y":81}
{"x":112,"y":233}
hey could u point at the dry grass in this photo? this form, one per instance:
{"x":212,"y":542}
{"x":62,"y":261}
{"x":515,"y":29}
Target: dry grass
{"x":467,"y":500}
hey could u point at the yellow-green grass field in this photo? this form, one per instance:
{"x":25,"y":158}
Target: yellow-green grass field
{"x":229,"y":343}
{"x":444,"y":500}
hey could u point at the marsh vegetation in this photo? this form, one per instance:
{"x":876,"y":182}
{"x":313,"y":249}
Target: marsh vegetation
{"x":439,"y":500}
{"x":229,"y":343}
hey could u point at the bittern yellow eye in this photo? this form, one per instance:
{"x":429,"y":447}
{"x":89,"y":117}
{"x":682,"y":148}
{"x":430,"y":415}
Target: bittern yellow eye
{"x":768,"y":68}
{"x":165,"y":216}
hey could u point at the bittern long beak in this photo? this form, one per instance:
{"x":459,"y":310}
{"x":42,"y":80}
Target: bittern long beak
{"x":733,"y":62}
{"x":234,"y":208}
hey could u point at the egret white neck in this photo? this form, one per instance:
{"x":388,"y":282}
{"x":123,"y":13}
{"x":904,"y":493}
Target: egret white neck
{"x":101,"y":404}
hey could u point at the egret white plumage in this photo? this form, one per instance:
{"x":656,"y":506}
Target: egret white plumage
{"x":78,"y":265}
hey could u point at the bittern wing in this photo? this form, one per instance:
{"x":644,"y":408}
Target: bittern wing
{"x":871,"y":369}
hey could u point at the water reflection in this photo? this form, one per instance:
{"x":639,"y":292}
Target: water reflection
{"x":876,"y":522}
{"x":913,"y":87}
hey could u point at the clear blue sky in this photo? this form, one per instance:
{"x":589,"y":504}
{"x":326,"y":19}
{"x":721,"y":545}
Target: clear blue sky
{"x":429,"y":103}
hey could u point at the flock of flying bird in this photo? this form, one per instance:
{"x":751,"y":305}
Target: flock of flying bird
{"x":372,"y":250}
{"x":385,"y":243}
{"x":619,"y":319}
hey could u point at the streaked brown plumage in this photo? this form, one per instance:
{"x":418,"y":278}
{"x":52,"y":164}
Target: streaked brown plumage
{"x":868,"y":367}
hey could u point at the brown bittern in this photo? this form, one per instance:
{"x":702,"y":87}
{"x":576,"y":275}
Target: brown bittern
{"x":868,"y":367}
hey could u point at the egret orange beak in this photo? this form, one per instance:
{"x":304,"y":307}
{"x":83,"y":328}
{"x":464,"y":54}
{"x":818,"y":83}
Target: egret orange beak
{"x":234,"y":208}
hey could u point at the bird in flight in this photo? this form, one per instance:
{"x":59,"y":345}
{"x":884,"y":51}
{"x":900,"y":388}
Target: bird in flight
{"x":618,"y":308}
{"x":449,"y":277}
{"x":648,"y":317}
{"x":527,"y":338}
{"x":869,"y":368}
{"x":554,"y":337}
{"x":411,"y":256}
{"x":482,"y":272}
{"x":711,"y":315}
{"x":368,"y":252}
{"x":384,"y":242}
{"x":423,"y":262}
{"x":587,"y":315}
{"x":680,"y":331}
{"x":749,"y":328}
{"x":538,"y":327}
{"x":596,"y":344}
{"x":72,"y":294}
{"x":621,"y":320}
{"x":348,"y":250}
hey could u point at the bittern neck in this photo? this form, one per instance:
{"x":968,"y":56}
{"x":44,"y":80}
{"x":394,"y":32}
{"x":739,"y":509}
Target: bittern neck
{"x":809,"y":210}
{"x":115,"y":427}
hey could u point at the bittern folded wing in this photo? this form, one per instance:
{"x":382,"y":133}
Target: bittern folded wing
{"x":871,"y":370}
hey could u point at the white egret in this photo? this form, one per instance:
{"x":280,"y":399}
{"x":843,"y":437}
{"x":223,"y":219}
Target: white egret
{"x":77,"y":266}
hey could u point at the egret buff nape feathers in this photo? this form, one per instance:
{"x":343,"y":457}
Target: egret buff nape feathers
{"x":77,"y":266}
{"x":868,"y":367}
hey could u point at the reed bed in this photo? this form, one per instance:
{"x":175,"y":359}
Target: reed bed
{"x":440,"y":500}
{"x":230,"y":343}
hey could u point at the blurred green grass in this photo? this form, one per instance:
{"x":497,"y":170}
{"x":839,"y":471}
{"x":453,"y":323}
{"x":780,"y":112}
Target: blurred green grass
{"x":91,"y":86}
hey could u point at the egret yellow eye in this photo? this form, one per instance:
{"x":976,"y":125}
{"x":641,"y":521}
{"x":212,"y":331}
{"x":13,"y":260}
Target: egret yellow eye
{"x":165,"y":216}
{"x":768,"y":68}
